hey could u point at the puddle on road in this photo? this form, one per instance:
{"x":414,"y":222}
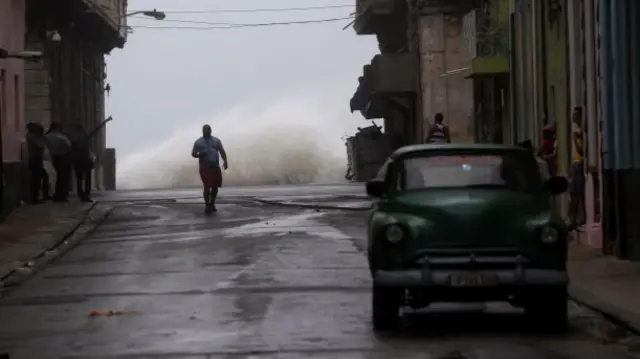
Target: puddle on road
{"x":282,"y":225}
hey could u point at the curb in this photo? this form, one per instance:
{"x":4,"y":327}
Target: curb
{"x":617,"y":316}
{"x":91,"y":220}
{"x":310,"y":206}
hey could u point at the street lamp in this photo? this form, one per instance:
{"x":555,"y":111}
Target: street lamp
{"x":22,"y":55}
{"x":158,"y":15}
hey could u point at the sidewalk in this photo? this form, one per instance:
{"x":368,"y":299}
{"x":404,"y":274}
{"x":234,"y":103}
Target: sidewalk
{"x":606,"y":284}
{"x":29,"y":231}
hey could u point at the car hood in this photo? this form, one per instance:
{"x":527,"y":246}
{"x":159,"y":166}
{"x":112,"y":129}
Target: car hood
{"x":473,"y":217}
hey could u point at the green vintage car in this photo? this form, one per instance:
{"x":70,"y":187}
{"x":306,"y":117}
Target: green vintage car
{"x":466,"y":223}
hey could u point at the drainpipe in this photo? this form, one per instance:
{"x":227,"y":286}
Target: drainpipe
{"x":610,"y":231}
{"x":634,"y":60}
{"x":590,"y":105}
{"x":2,"y":79}
{"x":513,"y":66}
{"x":621,"y":69}
{"x":543,"y":62}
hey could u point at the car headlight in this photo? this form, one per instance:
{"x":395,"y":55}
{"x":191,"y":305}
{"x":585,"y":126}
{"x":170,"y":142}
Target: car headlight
{"x":549,"y":235}
{"x":394,"y":233}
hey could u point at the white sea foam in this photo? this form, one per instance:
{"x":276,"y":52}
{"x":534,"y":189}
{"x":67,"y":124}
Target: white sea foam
{"x":289,"y":140}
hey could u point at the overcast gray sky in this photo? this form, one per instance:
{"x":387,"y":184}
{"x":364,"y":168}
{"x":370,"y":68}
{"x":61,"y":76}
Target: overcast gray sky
{"x":165,"y":77}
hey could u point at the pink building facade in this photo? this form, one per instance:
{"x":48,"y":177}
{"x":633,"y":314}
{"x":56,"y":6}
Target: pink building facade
{"x":12,"y":38}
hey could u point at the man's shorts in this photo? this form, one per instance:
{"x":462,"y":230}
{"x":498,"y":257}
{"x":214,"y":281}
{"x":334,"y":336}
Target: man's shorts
{"x":211,"y":176}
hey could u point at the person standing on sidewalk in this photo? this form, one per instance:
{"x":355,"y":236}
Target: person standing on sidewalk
{"x":542,"y":164}
{"x":578,"y":179}
{"x":208,"y":149}
{"x":439,"y":132}
{"x":548,"y":149}
{"x":82,"y":158}
{"x":60,"y":150}
{"x":38,"y":176}
{"x":82,"y":162}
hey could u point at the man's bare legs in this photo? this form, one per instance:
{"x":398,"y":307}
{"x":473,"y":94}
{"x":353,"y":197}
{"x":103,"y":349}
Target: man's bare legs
{"x":213,"y":194}
{"x":206,"y":193}
{"x":210,"y":193}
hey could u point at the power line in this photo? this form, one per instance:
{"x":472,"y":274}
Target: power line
{"x":233,"y":26}
{"x":178,"y":21}
{"x":228,"y":11}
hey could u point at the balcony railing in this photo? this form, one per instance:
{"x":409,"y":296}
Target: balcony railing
{"x":486,"y":36}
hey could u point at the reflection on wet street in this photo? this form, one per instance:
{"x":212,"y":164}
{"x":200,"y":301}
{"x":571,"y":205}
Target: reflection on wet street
{"x":252,"y":281}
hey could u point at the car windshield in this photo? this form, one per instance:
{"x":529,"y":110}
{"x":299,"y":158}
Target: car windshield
{"x":511,"y":171}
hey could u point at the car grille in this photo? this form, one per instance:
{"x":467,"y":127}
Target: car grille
{"x":480,"y":259}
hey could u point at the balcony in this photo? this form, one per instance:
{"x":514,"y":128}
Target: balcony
{"x":394,"y":74}
{"x":112,"y":13}
{"x":365,"y":100}
{"x":488,"y":40}
{"x":372,"y":15}
{"x":388,"y":76}
{"x":432,"y":7}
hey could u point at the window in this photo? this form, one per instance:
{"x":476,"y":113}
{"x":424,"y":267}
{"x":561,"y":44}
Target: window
{"x":514,"y":172}
{"x":17,"y":114}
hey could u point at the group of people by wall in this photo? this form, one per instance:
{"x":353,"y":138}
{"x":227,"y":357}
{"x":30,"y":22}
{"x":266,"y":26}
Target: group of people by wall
{"x":68,"y":150}
{"x":548,"y":154}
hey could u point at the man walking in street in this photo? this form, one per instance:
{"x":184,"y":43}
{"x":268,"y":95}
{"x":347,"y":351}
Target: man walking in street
{"x":60,"y":151}
{"x":38,"y":177}
{"x":439,"y":132}
{"x":208,"y":149}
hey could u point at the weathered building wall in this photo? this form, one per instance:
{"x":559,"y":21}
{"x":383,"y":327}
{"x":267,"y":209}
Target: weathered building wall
{"x":444,"y":49}
{"x":68,"y":85}
{"x":12,"y":29}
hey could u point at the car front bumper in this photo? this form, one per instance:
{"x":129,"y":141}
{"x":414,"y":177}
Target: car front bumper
{"x":441,"y":278}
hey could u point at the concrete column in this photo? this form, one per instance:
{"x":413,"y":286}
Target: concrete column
{"x":634,"y":77}
{"x":592,"y":235}
{"x":432,"y":49}
{"x":632,"y":177}
{"x":610,"y":218}
{"x":443,"y":48}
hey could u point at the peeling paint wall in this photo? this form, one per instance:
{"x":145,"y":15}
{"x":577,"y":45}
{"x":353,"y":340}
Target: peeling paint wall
{"x":12,"y":25}
{"x":443,"y":48}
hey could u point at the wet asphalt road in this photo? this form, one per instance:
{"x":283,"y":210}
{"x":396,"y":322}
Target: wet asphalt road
{"x":252,"y":281}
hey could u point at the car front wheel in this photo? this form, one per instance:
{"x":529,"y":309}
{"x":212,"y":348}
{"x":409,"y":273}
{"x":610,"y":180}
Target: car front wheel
{"x":547,"y":309}
{"x":386,"y":304}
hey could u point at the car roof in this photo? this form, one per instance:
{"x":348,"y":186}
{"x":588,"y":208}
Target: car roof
{"x":410,"y":149}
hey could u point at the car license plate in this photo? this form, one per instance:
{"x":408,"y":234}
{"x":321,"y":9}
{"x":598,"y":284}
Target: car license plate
{"x":473,"y":280}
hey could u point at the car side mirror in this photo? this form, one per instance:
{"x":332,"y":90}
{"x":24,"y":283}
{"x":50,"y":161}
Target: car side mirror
{"x":557,"y":185}
{"x":376,"y":188}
